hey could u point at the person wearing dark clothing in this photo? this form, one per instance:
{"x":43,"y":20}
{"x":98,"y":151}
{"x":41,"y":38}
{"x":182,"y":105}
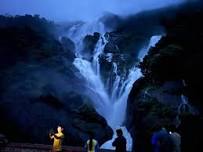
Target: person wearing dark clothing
{"x":161,"y":141}
{"x":191,"y":133}
{"x":176,"y":138}
{"x":166,"y":142}
{"x":120,"y":142}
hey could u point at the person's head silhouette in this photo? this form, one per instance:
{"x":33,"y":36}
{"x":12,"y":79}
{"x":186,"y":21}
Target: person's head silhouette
{"x":120,"y":142}
{"x":119,"y":132}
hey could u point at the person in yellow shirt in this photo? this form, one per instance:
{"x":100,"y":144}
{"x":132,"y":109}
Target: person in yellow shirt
{"x":58,"y":139}
{"x":91,"y":144}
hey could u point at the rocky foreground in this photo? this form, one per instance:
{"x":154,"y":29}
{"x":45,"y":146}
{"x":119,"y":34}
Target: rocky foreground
{"x":26,"y":147}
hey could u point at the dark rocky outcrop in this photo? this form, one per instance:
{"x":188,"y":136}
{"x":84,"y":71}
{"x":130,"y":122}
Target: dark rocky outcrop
{"x":39,"y":86}
{"x":171,"y":69}
{"x":111,"y":21}
{"x":130,"y":35}
{"x":89,"y":44}
{"x":69,"y":47}
{"x":150,"y":106}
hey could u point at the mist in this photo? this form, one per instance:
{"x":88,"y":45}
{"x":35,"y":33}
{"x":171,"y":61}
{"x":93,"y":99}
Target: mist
{"x":86,"y":10}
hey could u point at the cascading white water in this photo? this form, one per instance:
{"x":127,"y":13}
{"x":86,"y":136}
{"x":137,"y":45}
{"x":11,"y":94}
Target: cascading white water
{"x":91,"y":72}
{"x":120,"y":95}
{"x":112,"y":106}
{"x":152,"y":43}
{"x":185,"y":106}
{"x":119,"y":100}
{"x":97,"y":51}
{"x":78,"y":31}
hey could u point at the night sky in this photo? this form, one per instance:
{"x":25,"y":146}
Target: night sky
{"x":88,"y":10}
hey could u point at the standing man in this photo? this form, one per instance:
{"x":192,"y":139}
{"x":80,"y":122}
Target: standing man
{"x":176,"y":138}
{"x":120,"y":141}
{"x":58,"y":139}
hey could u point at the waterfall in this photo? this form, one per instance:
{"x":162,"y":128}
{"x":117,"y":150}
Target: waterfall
{"x":78,"y":31}
{"x":152,"y":43}
{"x":120,"y":95}
{"x":112,"y":106}
{"x":184,"y":106}
{"x":91,"y":72}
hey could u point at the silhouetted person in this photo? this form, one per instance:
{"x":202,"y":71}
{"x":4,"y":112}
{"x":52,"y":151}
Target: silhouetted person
{"x":120,"y":141}
{"x":155,"y":139}
{"x":191,"y":130}
{"x":176,"y":138}
{"x":91,"y":144}
{"x":161,"y":141}
{"x":58,"y":138}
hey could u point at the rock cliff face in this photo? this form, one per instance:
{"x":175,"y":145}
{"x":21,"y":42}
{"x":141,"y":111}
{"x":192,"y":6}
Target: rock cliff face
{"x":171,"y":77}
{"x":40,"y":87}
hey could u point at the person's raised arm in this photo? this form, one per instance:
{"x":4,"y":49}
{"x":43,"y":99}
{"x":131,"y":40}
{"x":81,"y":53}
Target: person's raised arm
{"x":51,"y":136}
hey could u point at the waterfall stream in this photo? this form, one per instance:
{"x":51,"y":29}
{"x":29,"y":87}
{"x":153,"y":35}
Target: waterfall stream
{"x":112,"y":106}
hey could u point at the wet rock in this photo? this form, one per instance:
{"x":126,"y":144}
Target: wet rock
{"x":40,"y":100}
{"x":150,"y":106}
{"x":155,"y":98}
{"x":89,"y":44}
{"x":40,"y":87}
{"x":3,"y":140}
{"x":69,"y":47}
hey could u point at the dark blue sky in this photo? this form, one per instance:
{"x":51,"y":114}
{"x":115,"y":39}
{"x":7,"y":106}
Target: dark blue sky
{"x":64,"y":10}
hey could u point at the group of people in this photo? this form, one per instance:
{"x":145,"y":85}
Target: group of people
{"x":162,"y":140}
{"x":119,"y":143}
{"x":91,"y":145}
